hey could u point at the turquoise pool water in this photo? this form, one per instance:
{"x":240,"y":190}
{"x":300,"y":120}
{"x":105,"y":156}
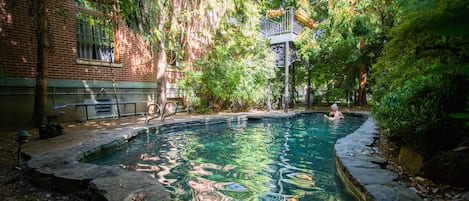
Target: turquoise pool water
{"x":285,"y":159}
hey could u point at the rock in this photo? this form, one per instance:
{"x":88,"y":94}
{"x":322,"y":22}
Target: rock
{"x":419,"y":178}
{"x":412,"y":160}
{"x":128,"y":185}
{"x":448,"y":166}
{"x":461,"y":148}
{"x":368,"y":176}
{"x":406,"y":194}
{"x":465,"y":196}
{"x":380,"y":161}
{"x":50,"y":130}
{"x":382,"y":192}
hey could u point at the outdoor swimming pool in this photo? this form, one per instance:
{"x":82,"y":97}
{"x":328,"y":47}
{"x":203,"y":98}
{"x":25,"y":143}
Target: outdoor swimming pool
{"x":270,"y":159}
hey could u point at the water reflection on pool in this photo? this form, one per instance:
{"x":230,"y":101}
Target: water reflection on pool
{"x":286,"y":159}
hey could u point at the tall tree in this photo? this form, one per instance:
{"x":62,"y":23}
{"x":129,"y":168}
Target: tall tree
{"x":428,"y":35}
{"x":176,"y":28}
{"x":236,"y":70}
{"x":202,"y":20}
{"x":348,"y":41}
{"x":161,"y":62}
{"x":39,"y":10}
{"x":152,"y":20}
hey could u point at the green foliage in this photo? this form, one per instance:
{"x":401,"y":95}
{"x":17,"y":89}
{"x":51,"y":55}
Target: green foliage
{"x":276,"y":4}
{"x":236,"y":71}
{"x":158,"y":23}
{"x":202,"y":109}
{"x":464,"y":116}
{"x":350,"y":35}
{"x":421,"y":79}
{"x":277,"y":85}
{"x":418,"y":113}
{"x":419,"y":44}
{"x":335,"y":95}
{"x":412,"y":110}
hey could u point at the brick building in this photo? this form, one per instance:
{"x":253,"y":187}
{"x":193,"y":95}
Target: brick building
{"x":91,"y":47}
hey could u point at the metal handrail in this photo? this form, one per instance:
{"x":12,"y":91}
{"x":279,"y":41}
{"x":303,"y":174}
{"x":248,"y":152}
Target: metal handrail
{"x":284,"y":24}
{"x":159,"y":112}
{"x":164,"y":115}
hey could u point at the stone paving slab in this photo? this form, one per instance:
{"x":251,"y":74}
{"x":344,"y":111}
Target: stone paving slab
{"x":129,"y":185}
{"x":361,"y":168}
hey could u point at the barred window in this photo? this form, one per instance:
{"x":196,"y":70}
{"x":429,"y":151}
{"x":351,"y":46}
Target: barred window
{"x":95,"y":30}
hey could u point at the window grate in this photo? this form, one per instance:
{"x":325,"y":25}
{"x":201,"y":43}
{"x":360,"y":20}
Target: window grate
{"x":95,"y":32}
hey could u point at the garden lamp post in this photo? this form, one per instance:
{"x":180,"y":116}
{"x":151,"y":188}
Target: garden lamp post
{"x":22,"y":138}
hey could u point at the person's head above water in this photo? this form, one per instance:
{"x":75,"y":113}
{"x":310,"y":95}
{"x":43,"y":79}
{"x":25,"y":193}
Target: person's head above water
{"x":334,"y":107}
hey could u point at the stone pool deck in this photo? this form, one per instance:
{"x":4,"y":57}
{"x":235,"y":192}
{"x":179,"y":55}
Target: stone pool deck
{"x":364,"y":171}
{"x":54,"y":163}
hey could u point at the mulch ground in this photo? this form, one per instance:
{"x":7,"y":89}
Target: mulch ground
{"x":13,"y":184}
{"x":427,"y":189}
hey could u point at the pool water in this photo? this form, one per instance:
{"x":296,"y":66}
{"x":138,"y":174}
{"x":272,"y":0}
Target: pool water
{"x":285,"y":159}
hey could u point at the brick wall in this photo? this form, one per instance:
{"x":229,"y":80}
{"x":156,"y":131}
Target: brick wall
{"x":18,"y":46}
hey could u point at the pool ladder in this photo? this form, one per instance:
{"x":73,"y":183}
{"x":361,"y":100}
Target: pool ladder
{"x":159,"y":112}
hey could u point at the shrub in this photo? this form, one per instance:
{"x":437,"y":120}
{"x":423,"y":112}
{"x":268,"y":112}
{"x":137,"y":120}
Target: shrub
{"x":417,"y":114}
{"x":335,"y":95}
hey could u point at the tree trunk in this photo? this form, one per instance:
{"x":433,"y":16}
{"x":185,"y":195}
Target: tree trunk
{"x":362,"y":72}
{"x":40,"y":101}
{"x":308,"y":88}
{"x":293,"y":86}
{"x":269,"y":102}
{"x":161,"y":77}
{"x":161,"y":64}
{"x":287,"y":65}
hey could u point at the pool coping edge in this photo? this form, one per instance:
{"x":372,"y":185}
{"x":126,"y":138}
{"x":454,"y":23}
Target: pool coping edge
{"x":363,"y":171}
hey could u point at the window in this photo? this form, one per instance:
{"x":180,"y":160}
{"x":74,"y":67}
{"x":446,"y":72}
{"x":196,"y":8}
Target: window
{"x":95,"y":30}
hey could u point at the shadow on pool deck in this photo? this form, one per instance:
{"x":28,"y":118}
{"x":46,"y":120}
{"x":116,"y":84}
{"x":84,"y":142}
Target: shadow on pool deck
{"x":78,"y":133}
{"x":54,"y":162}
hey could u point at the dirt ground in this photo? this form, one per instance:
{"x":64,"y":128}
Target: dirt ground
{"x":15,"y":186}
{"x":426,"y":188}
